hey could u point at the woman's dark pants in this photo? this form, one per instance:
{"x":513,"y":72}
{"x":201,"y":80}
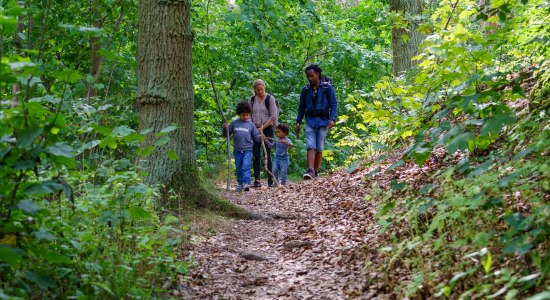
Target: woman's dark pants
{"x":258,"y":158}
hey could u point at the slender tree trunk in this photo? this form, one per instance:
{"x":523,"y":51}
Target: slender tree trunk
{"x":405,"y":41}
{"x":165,"y":93}
{"x":18,"y":43}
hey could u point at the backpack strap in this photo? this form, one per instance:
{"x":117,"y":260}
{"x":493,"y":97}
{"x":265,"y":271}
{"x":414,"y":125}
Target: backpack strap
{"x":267,"y":101}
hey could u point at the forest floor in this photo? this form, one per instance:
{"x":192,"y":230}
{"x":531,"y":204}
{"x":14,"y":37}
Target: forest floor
{"x":310,"y":244}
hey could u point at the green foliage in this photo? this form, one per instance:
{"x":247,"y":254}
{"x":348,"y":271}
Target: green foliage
{"x":475,"y":227}
{"x":76,"y":220}
{"x":275,"y":40}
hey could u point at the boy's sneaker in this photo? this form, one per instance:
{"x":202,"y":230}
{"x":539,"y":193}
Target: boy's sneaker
{"x":239,"y":188}
{"x":257,"y":184}
{"x":309,"y":174}
{"x":246,"y":187}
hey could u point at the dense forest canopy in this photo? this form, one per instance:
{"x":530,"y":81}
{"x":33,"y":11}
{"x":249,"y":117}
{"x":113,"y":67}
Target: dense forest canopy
{"x":78,"y":220}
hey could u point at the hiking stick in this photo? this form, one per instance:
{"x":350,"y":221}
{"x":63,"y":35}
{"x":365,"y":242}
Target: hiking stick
{"x":265,"y":162}
{"x":227,"y":130}
{"x":277,"y":141}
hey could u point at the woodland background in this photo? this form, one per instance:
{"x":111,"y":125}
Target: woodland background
{"x":80,"y":216}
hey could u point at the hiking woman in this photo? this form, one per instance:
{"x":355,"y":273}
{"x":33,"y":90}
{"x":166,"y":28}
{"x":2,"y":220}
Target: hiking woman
{"x":264,"y":116}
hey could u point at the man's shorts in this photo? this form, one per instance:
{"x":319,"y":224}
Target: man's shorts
{"x":315,"y":138}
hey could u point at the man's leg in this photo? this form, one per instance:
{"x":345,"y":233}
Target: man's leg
{"x":321,"y":135}
{"x":318,"y":160}
{"x":311,"y":144}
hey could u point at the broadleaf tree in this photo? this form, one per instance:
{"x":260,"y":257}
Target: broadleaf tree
{"x":165,"y":95}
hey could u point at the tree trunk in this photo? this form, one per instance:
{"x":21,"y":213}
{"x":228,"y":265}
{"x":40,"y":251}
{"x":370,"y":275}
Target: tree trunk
{"x":405,"y":41}
{"x":165,"y":94}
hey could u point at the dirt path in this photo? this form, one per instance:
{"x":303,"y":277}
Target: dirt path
{"x":310,"y":248}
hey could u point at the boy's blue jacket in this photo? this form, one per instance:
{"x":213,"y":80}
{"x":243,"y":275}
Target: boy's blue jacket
{"x":281,"y":150}
{"x":325,"y":106}
{"x":244,"y":133}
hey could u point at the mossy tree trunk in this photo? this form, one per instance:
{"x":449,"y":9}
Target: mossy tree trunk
{"x":405,"y":38}
{"x":165,"y":96}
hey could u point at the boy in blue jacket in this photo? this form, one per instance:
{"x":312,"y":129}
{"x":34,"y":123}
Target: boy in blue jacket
{"x":281,"y":153}
{"x":244,"y":133}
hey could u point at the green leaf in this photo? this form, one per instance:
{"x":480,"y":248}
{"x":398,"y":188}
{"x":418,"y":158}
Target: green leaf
{"x":43,"y":188}
{"x":9,"y":256}
{"x":518,"y":246}
{"x":515,"y":221}
{"x":66,"y":161}
{"x":70,"y":76}
{"x":540,"y":296}
{"x":482,"y":168}
{"x":139,"y":213}
{"x":43,"y":280}
{"x":102,"y":129}
{"x":52,"y":257}
{"x":495,"y":125}
{"x":92,"y":266}
{"x":27,"y":136}
{"x":162,"y":141}
{"x":43,"y":234}
{"x":146,"y":151}
{"x":460,"y":142}
{"x":123,"y":131}
{"x":172,"y":155}
{"x":166,"y":130}
{"x":29,"y":207}
{"x":487,"y":263}
{"x":24,"y":165}
{"x":61,"y":149}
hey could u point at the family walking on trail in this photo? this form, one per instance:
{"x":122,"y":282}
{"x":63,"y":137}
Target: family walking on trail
{"x":253,"y":131}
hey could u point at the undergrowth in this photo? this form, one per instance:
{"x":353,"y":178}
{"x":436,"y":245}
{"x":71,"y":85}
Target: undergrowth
{"x":464,"y":213}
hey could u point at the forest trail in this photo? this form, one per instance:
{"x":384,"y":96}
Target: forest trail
{"x":311,"y":245}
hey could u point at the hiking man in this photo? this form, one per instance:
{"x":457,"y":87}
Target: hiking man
{"x":318,"y":104}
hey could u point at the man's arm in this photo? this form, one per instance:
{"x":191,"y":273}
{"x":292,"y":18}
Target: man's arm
{"x":301,"y":107}
{"x":333,"y":104}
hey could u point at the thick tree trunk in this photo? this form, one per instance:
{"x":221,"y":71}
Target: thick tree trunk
{"x":405,"y":48}
{"x":165,"y":92}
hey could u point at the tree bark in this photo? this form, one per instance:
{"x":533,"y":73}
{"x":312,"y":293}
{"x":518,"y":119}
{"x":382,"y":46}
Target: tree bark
{"x":165,"y":94}
{"x":404,"y":49}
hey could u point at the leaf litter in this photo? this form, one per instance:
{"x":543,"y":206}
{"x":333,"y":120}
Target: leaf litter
{"x":317,"y":239}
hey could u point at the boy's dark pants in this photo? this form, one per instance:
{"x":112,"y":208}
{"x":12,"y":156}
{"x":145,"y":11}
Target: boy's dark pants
{"x":257,"y":151}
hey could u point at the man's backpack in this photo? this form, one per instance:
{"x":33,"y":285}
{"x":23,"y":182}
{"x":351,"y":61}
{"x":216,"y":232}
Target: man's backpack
{"x":324,"y":113}
{"x":267,"y":102}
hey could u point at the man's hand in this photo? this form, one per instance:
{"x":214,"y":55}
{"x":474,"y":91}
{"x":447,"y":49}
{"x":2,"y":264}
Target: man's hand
{"x":224,"y":125}
{"x":330,"y":124}
{"x":297,"y":129}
